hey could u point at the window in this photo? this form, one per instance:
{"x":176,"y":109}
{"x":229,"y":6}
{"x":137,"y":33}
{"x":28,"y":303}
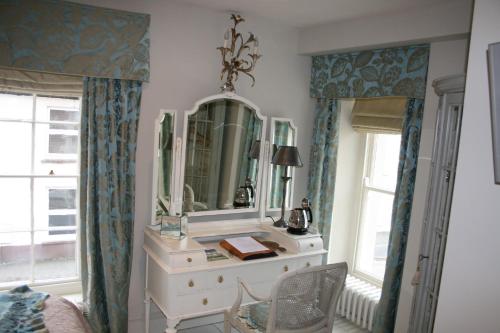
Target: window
{"x":39,"y":137}
{"x":374,"y":225}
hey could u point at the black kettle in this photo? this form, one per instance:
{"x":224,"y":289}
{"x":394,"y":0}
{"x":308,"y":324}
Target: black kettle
{"x":245,"y":195}
{"x":300,"y":219}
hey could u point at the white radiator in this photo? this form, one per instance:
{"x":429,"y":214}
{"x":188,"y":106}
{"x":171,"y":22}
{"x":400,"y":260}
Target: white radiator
{"x":358,"y":302}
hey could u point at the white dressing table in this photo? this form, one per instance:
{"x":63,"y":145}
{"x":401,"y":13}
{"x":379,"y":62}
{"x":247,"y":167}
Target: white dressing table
{"x":183,"y":284}
{"x":222,"y":154}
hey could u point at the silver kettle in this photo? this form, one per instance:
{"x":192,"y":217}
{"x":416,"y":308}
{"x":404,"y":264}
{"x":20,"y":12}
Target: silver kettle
{"x":300,"y":219}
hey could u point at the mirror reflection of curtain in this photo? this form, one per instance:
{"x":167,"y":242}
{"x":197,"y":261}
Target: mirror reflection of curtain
{"x":249,"y":165}
{"x":165,"y":162}
{"x":283,"y":136}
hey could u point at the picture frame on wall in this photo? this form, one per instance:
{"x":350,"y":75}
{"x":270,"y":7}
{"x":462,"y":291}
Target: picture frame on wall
{"x":494,"y":80}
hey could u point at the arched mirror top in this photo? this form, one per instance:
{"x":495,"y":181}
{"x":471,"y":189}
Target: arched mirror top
{"x":222,"y":156}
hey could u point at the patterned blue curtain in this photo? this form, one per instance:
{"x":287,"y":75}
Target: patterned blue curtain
{"x":323,"y":165}
{"x":401,"y":212}
{"x":110,"y":115}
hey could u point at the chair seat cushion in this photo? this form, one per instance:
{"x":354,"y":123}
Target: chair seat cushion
{"x":254,"y":316}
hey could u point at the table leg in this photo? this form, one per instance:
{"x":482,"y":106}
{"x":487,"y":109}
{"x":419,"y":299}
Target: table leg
{"x":147,"y":309}
{"x":171,"y":325}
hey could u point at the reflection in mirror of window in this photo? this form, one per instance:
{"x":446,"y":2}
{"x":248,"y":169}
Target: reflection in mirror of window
{"x":39,"y":137}
{"x":219,"y":171}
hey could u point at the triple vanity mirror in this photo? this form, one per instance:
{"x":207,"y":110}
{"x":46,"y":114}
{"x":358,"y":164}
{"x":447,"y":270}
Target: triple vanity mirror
{"x":222,"y":164}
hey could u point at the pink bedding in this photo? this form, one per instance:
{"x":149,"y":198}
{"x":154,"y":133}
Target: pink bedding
{"x":62,"y":316}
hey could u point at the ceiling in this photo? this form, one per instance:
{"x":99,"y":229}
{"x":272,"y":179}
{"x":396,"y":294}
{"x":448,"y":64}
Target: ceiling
{"x":303,"y":13}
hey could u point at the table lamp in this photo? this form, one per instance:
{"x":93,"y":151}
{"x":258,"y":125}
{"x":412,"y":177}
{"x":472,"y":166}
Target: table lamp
{"x":286,"y":156}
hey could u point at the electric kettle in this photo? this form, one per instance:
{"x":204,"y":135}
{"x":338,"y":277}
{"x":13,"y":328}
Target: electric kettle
{"x":300,"y":219}
{"x":244,"y":196}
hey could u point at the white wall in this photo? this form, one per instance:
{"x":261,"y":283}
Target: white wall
{"x":443,"y":21}
{"x":446,"y":58}
{"x":185,"y":67}
{"x":469,"y":299}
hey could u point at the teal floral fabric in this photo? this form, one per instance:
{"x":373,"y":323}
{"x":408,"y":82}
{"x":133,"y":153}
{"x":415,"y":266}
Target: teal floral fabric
{"x":403,"y":198}
{"x":110,"y":116}
{"x":21,"y":310}
{"x":68,"y":38}
{"x":386,"y":72}
{"x":323,"y":165}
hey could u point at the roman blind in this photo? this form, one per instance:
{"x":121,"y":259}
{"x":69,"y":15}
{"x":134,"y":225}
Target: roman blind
{"x":379,"y":115}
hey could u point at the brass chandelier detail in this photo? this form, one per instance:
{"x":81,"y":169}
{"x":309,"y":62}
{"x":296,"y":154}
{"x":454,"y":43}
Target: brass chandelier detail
{"x":234,"y":59}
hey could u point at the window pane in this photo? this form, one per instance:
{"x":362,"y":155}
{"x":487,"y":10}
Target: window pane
{"x":56,"y":151}
{"x":15,"y":253}
{"x":63,"y":144}
{"x":62,"y":198}
{"x":385,"y":161}
{"x":14,"y":106}
{"x":54,"y":257}
{"x":57,"y":109}
{"x":55,"y":206}
{"x":64,"y":115}
{"x":15,"y":148}
{"x":15,"y":204}
{"x":374,"y":234}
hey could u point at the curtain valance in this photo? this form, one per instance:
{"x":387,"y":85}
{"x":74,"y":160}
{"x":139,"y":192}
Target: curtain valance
{"x":379,"y":114}
{"x":374,"y":73}
{"x":68,"y":38}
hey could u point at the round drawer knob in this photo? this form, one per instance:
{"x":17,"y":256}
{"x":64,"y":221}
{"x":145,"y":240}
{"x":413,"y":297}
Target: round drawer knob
{"x":205,"y":301}
{"x":285,"y":268}
{"x":191,"y":284}
{"x":189,"y":259}
{"x":311,"y":245}
{"x":220,"y":279}
{"x":308,"y":264}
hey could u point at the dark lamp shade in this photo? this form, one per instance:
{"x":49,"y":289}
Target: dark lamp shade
{"x":287,"y":155}
{"x":255,"y":150}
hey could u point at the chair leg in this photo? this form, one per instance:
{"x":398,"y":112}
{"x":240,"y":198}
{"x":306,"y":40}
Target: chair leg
{"x":227,"y":323}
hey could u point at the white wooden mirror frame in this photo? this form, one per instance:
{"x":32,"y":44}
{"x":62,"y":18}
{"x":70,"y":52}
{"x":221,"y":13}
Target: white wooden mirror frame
{"x":173,"y":181}
{"x":290,"y":185}
{"x":179,"y":189}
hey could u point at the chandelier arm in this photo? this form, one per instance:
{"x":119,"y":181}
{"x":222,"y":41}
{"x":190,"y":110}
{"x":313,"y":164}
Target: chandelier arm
{"x":251,"y":76}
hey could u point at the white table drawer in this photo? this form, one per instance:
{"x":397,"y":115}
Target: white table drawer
{"x":310,"y":244}
{"x":190,"y":283}
{"x":179,"y":260}
{"x":308,"y":262}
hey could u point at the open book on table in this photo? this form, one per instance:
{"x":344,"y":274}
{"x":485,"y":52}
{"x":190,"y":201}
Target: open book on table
{"x":246,"y":248}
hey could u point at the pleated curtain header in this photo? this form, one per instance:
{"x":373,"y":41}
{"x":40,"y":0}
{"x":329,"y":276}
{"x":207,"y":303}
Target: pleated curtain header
{"x":61,"y":37}
{"x":379,"y":115}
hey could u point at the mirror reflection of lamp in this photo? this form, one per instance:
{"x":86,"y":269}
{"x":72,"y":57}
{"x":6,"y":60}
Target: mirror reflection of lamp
{"x":287,"y":156}
{"x":255,"y":150}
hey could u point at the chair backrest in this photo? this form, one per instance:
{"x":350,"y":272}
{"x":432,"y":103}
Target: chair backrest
{"x":306,"y":300}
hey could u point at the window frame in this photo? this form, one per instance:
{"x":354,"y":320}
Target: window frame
{"x":58,"y":286}
{"x":365,"y":187}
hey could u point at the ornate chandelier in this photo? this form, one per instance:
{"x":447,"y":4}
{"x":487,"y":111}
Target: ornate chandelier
{"x":235,"y":60}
